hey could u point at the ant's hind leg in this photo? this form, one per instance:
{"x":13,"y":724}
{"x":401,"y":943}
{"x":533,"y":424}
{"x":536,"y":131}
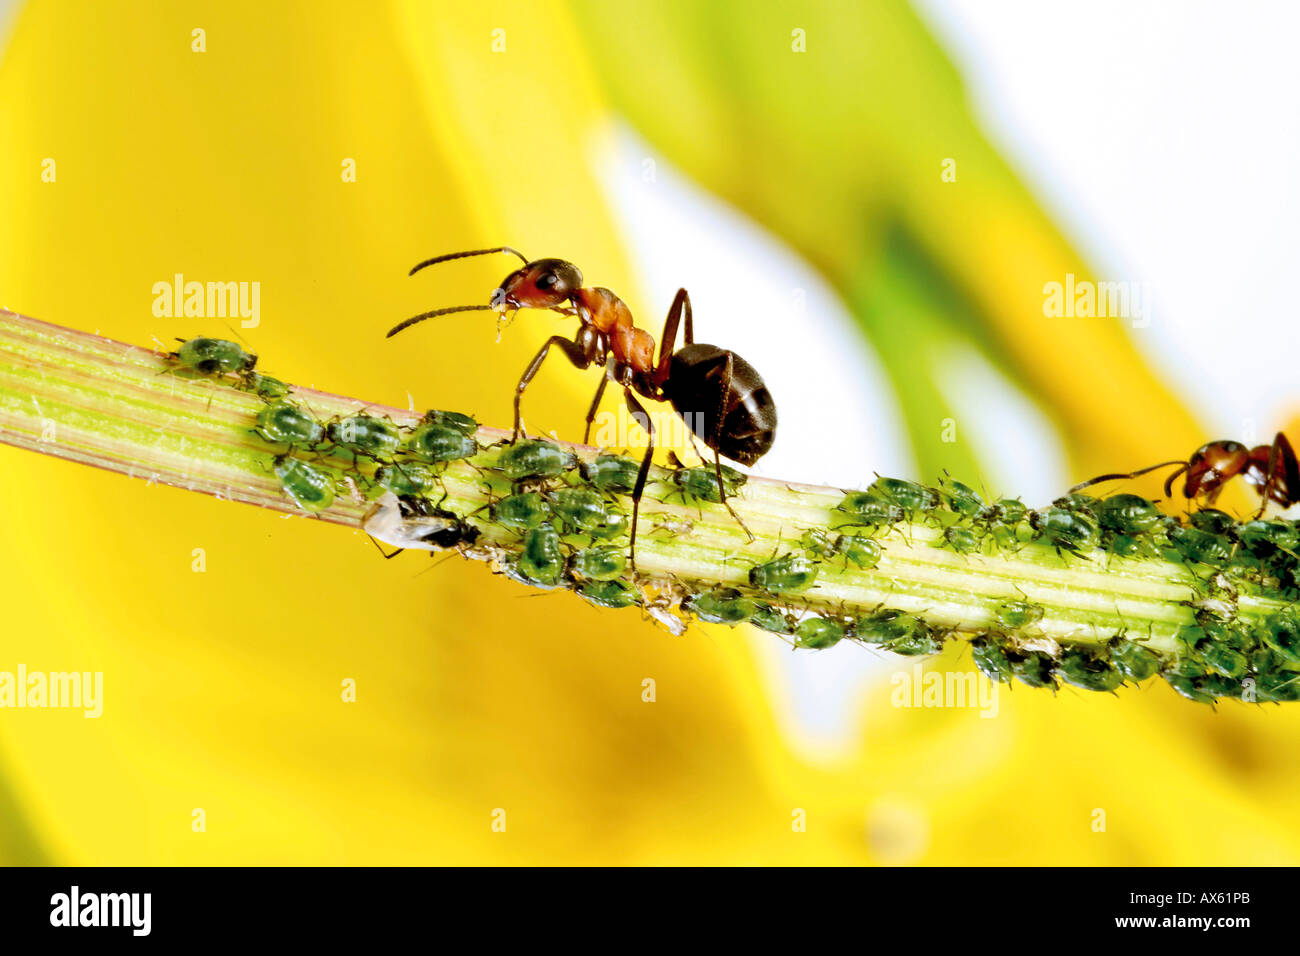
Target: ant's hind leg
{"x":722,"y":493}
{"x":642,"y":474}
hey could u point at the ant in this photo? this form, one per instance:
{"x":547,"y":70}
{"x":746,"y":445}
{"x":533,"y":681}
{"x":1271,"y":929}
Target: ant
{"x":1272,"y":470}
{"x":703,"y":383}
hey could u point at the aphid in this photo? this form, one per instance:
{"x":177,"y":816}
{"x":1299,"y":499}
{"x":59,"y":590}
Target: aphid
{"x":722,"y":606}
{"x":1262,"y":538}
{"x":1271,"y":470}
{"x":867,"y":509}
{"x":990,"y":660}
{"x":716,"y":390}
{"x":701,"y":484}
{"x":579,"y":509}
{"x":1281,"y":632}
{"x":790,"y":572}
{"x":1034,"y":668}
{"x":535,"y":459}
{"x":770,"y":619}
{"x":1212,"y":521}
{"x":263,"y":386}
{"x":214,"y":356}
{"x":286,"y":423}
{"x":598,"y":564}
{"x":1065,"y":530}
{"x":962,"y":540}
{"x":413,"y":523}
{"x":1087,"y":670}
{"x":1128,"y":546}
{"x":818,"y":632}
{"x":1201,"y":546}
{"x":883,"y":627}
{"x":1133,"y":661}
{"x":312,"y":488}
{"x":818,"y":543}
{"x":1013,"y":615}
{"x":1277,"y":686}
{"x":610,"y":593}
{"x":915,"y":499}
{"x":858,"y":550}
{"x":405,"y":478}
{"x":366,"y":435}
{"x":918,"y":639}
{"x":610,"y":473}
{"x":541,"y":560}
{"x":436,"y":442}
{"x":1007,"y":511}
{"x":522,"y":512}
{"x":461,"y":423}
{"x":961,"y":499}
{"x":1127,"y":514}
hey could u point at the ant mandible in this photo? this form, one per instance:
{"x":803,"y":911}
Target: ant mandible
{"x":714,"y":388}
{"x":1271,"y":470}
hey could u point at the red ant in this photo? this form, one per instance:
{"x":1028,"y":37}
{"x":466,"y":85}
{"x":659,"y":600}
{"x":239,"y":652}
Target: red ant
{"x":734,"y":406}
{"x":1271,"y":470}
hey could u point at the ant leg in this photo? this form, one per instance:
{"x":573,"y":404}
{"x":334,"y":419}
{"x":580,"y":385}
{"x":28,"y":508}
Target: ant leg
{"x":572,"y":351}
{"x":595,"y":404}
{"x":722,"y":493}
{"x":1290,"y":469}
{"x":642,"y":473}
{"x":681,"y":302}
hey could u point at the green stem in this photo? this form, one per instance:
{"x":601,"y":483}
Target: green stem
{"x":1032,"y":601}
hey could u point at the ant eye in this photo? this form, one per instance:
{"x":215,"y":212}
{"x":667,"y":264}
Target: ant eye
{"x":547,"y":281}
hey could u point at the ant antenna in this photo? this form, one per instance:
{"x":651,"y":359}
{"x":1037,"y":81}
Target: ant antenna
{"x":434,"y":314}
{"x":463,"y":255}
{"x":1169,"y":482}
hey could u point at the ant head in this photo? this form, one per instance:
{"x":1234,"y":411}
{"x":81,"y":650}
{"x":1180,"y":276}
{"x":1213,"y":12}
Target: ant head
{"x":541,"y":284}
{"x":1213,"y":464}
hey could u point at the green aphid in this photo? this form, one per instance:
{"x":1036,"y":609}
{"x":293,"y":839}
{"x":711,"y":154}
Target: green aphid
{"x":288,"y":424}
{"x":1212,"y":521}
{"x":512,"y":570}
{"x":1088,"y":671}
{"x":790,"y":572}
{"x":405,"y":478}
{"x":701,"y":482}
{"x":1017,"y":614}
{"x":436,"y":442}
{"x":1007,"y":511}
{"x":770,"y":619}
{"x":610,"y":473}
{"x":1128,"y":546}
{"x":961,"y":499}
{"x":366,"y":435}
{"x":960,"y":539}
{"x":522,"y":512}
{"x":1277,"y":687}
{"x":535,"y":459}
{"x":819,"y":543}
{"x":990,"y":660}
{"x":264,"y":386}
{"x":870,"y":510}
{"x":579,"y":509}
{"x":610,"y":593}
{"x":214,"y":356}
{"x":858,"y":550}
{"x":1262,"y":538}
{"x":311,"y":488}
{"x":1127,"y":514}
{"x":1132,"y":660}
{"x":915,"y":499}
{"x":1066,"y":530}
{"x":723,"y":606}
{"x":598,"y":564}
{"x":919,"y":639}
{"x":1193,"y":688}
{"x":1079,"y":504}
{"x":884,"y":627}
{"x":1281,"y":632}
{"x":818,"y":632}
{"x":1034,"y":668}
{"x":615,"y":524}
{"x":1201,"y":546}
{"x":455,"y":420}
{"x":1224,"y":660}
{"x":540,"y":559}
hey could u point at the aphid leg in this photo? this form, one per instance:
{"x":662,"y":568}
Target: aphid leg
{"x":379,"y":548}
{"x":642,"y":473}
{"x":572,"y":351}
{"x":595,"y":404}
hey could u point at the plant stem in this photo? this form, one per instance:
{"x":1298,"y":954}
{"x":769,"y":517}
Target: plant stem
{"x":139,"y":412}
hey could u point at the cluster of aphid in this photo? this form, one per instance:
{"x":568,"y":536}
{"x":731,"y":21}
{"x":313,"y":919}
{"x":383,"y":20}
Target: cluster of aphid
{"x":559,"y":521}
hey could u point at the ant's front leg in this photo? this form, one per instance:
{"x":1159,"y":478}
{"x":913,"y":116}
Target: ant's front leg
{"x":573,"y":351}
{"x":595,"y":404}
